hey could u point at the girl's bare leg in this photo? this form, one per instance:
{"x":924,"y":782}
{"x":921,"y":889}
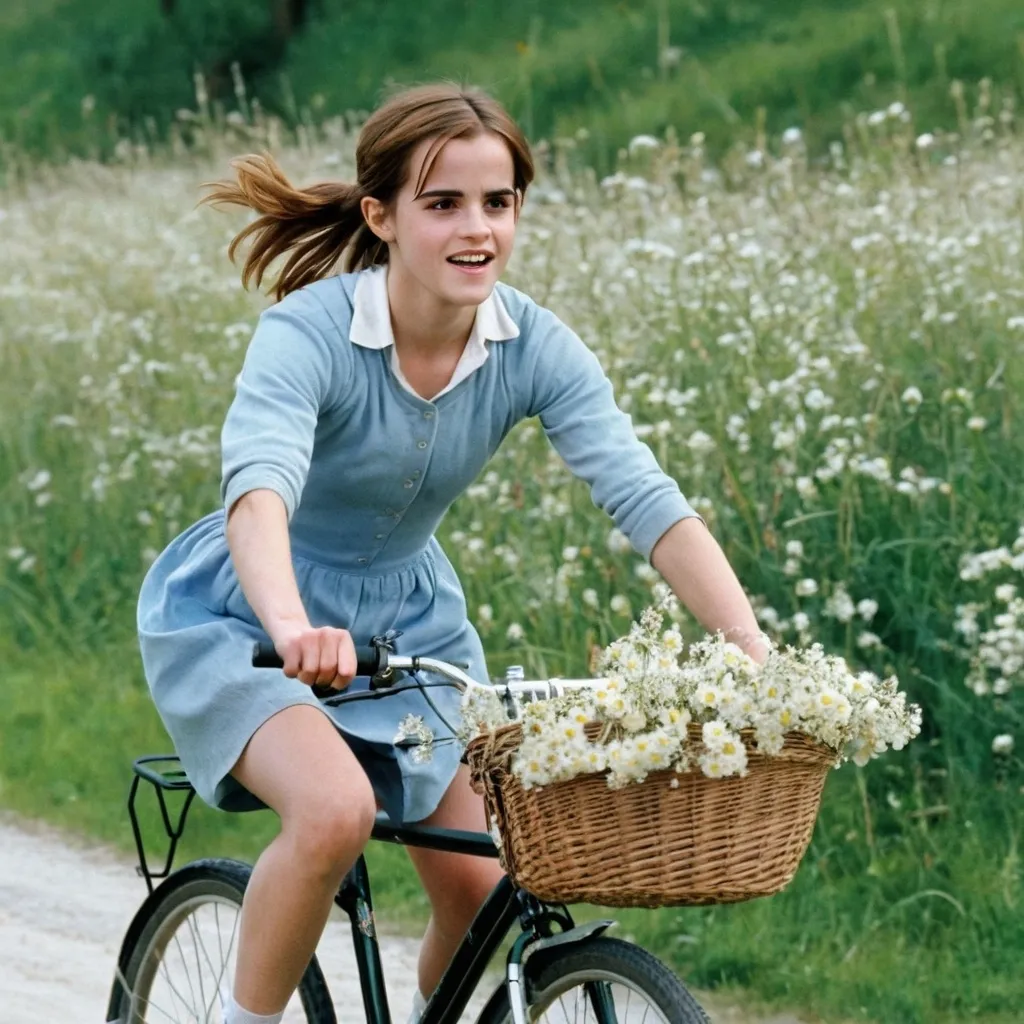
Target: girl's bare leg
{"x":298,"y":765}
{"x":456,"y":883}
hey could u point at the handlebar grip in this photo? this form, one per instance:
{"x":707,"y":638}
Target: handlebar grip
{"x":265,"y":655}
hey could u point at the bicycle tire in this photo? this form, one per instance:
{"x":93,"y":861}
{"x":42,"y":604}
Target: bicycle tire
{"x":552,"y":972}
{"x":204,"y":883}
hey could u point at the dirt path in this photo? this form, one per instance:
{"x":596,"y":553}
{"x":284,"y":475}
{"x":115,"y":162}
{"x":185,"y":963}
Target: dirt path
{"x":64,"y":906}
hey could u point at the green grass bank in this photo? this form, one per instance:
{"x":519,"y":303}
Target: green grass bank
{"x":82,"y":77}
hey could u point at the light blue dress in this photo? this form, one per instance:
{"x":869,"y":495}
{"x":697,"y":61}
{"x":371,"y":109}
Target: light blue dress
{"x":367,"y":469}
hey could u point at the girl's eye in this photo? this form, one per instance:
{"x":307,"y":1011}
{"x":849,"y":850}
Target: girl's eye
{"x":499,"y":203}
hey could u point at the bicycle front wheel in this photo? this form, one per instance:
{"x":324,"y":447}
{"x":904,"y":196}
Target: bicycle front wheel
{"x":599,"y":981}
{"x":177,"y":965}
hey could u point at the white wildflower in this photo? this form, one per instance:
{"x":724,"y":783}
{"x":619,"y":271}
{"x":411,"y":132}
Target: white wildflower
{"x":912,"y":397}
{"x":415,"y":733}
{"x":1002,"y":744}
{"x":642,"y":142}
{"x":869,"y":641}
{"x":38,"y":480}
{"x":618,"y":542}
{"x":700,"y":442}
{"x":840,"y":605}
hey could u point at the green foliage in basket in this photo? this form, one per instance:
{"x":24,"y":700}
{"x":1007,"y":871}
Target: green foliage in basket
{"x":651,"y":696}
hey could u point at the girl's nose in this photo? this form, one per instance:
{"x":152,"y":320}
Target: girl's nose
{"x":475,"y":222}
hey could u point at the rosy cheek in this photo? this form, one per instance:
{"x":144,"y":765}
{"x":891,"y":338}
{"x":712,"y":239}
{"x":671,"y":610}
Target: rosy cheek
{"x":439,"y":228}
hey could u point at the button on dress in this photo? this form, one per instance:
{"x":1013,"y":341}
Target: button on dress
{"x":367,"y":469}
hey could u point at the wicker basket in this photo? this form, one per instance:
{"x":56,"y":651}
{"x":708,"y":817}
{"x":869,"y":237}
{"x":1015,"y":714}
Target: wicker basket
{"x":649,"y":844}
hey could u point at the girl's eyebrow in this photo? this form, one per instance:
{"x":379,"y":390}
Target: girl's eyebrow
{"x":451,"y":193}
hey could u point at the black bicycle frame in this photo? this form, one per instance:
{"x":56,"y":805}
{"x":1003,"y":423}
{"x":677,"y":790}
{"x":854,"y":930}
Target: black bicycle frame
{"x":506,"y":904}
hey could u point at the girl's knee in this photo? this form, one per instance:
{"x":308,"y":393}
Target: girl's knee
{"x":330,"y":829}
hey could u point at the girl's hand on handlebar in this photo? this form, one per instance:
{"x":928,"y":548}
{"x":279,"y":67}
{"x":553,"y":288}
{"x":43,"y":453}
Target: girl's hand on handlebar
{"x":317,"y":657}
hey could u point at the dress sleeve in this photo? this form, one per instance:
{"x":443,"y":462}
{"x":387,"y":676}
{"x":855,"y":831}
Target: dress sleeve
{"x":574,"y":400}
{"x":287,"y":379}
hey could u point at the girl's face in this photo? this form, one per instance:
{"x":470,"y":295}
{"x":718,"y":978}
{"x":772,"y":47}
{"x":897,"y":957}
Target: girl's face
{"x":466,"y":208}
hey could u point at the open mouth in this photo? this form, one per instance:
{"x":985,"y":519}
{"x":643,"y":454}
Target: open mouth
{"x":470,"y":263}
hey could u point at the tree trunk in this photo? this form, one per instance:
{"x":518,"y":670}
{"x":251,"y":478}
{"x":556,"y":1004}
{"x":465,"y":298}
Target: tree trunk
{"x":288,"y":16}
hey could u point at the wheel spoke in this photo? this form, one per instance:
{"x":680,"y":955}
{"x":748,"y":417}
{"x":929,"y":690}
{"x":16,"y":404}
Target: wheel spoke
{"x":220,"y":947}
{"x":152,"y":1006}
{"x":175,"y":994}
{"x":193,"y":928}
{"x":188,"y":976}
{"x":216,"y":973}
{"x":175,"y":984}
{"x":220,"y":944}
{"x":565,"y":1016}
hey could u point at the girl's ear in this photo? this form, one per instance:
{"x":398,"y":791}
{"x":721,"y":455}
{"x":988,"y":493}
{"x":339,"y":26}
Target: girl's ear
{"x":375,"y":213}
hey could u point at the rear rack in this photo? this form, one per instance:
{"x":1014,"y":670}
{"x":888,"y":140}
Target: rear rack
{"x":168,"y":780}
{"x":165,"y":774}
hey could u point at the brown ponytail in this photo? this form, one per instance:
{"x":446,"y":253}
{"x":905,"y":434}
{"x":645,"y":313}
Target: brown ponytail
{"x":315,"y":223}
{"x":318,"y":223}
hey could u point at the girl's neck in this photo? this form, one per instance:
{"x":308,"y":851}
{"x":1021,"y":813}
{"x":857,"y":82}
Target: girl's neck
{"x":421,"y":325}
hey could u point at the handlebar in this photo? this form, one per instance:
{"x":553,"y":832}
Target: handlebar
{"x":367,"y":658}
{"x":385,"y":668}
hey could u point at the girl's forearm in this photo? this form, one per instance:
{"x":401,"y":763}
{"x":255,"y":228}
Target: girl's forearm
{"x":257,"y":533}
{"x":695,"y":567}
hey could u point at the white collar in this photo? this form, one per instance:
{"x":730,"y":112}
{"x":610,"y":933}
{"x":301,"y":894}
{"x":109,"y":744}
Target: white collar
{"x":371,"y":316}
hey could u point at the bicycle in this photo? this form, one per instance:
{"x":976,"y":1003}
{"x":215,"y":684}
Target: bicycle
{"x":550,"y":958}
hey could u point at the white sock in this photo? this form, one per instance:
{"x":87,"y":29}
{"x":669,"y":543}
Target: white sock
{"x":418,"y":1003}
{"x":236,"y":1015}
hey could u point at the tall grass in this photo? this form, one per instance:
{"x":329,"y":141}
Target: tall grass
{"x":830,"y":362}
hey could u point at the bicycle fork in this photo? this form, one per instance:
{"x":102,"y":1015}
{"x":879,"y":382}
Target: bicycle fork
{"x":600,"y":997}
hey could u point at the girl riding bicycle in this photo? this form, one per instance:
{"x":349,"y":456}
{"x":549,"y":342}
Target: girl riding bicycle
{"x":367,"y":402}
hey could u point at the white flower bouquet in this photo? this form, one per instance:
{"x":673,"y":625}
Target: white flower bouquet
{"x":651,"y":699}
{"x":730,"y":756}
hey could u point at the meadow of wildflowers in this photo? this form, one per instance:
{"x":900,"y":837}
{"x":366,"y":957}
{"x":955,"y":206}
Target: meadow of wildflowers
{"x":828,"y":355}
